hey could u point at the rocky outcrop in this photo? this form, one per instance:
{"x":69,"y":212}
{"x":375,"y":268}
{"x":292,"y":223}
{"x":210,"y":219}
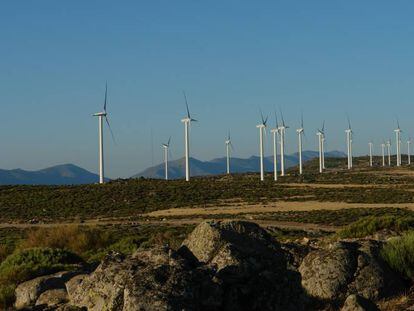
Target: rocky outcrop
{"x":156,"y":279}
{"x":231,"y":265}
{"x":250,"y":266}
{"x":349,"y":268}
{"x":52,"y":297}
{"x":28,"y":293}
{"x":358,"y":303}
{"x":221,"y":266}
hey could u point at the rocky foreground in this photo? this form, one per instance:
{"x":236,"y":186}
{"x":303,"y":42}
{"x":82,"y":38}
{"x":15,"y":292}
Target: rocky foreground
{"x":224,"y":266}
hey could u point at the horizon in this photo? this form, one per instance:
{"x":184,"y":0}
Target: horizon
{"x":232,"y":59}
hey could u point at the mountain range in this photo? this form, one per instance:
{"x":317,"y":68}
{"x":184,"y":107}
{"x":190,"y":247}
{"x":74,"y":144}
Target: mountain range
{"x":218,"y":166}
{"x":66,"y":174}
{"x":70,"y":174}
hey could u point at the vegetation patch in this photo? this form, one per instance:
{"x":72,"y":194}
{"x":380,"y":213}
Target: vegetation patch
{"x":370,"y":225}
{"x":399,"y":254}
{"x":27,"y":264}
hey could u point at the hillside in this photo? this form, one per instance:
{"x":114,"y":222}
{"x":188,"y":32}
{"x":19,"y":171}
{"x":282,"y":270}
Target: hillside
{"x":66,"y":174}
{"x":218,"y":166}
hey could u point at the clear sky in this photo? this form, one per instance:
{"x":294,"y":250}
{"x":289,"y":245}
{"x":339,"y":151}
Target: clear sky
{"x":327,"y":58}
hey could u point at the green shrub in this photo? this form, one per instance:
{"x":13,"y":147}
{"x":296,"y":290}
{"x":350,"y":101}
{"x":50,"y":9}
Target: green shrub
{"x":399,"y":254}
{"x":372,"y":224}
{"x":27,"y":264}
{"x":30,"y":263}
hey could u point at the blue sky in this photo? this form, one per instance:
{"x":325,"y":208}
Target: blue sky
{"x":327,"y":58}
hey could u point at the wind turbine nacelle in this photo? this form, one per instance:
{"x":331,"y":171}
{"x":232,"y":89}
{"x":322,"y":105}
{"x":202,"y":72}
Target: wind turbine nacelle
{"x":186,"y":120}
{"x":99,"y":114}
{"x":260,"y":126}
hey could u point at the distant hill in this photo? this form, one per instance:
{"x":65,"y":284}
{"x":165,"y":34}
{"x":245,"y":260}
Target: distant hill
{"x":66,"y":174}
{"x":218,"y":166}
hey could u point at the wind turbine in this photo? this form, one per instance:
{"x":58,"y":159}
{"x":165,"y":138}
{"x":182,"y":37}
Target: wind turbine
{"x":228,"y":146}
{"x":320,"y":134}
{"x":300,"y":132}
{"x":409,"y":151}
{"x":398,"y":143}
{"x":282,"y":131}
{"x":348,"y":132}
{"x":389,"y":152}
{"x":103,"y":115}
{"x":383,"y":153}
{"x":187,"y":121}
{"x":370,"y":144}
{"x":275,"y":132}
{"x":166,"y":149}
{"x":262,"y":128}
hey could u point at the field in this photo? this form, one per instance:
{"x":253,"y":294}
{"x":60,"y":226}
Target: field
{"x":124,"y":215}
{"x":313,"y":201}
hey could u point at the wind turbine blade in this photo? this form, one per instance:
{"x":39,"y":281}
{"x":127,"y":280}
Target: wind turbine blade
{"x":277,"y":122}
{"x":110,"y":129}
{"x":281,"y":115}
{"x":323,"y":127}
{"x":106,"y":95}
{"x":169,"y":140}
{"x":301,"y":120}
{"x":261,"y":115}
{"x":186,"y":105}
{"x":265,"y":121}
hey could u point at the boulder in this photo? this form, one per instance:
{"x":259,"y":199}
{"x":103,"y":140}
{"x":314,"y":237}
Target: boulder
{"x":27,"y":293}
{"x":73,"y":283}
{"x":52,"y":297}
{"x":346,"y":268}
{"x":221,"y":266}
{"x":358,"y":303}
{"x":156,"y":279}
{"x":248,"y":263}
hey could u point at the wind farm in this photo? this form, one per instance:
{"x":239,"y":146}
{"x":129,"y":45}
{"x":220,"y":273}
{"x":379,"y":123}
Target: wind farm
{"x":262,"y":161}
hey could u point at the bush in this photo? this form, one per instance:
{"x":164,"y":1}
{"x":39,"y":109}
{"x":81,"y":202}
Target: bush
{"x":27,"y":264}
{"x":372,"y":224}
{"x":74,"y":238}
{"x":399,"y":254}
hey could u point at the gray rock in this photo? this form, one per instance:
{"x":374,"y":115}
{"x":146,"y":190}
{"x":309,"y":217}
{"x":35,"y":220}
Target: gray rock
{"x":52,"y":297}
{"x":73,"y":283}
{"x":358,"y":303}
{"x":250,"y":266}
{"x":221,"y":266}
{"x":157,"y":279}
{"x":349,"y":268}
{"x":28,"y":292}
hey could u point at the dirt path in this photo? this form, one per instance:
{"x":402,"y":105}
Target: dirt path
{"x":335,"y":186}
{"x":281,"y":206}
{"x":172,"y":222}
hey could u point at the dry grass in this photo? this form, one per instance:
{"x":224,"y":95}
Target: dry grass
{"x":72,"y":237}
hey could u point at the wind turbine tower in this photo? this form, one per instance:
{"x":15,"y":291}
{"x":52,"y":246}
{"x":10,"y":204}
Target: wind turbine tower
{"x":348,"y":132}
{"x":262,"y":128}
{"x":166,"y":150}
{"x":398,"y":143}
{"x":383,"y":153}
{"x":101,"y":116}
{"x":275,"y":133}
{"x":300,"y":132}
{"x":228,"y":146}
{"x":320,"y":135}
{"x":370,"y":153}
{"x":409,"y":151}
{"x":187,"y":121}
{"x":282,"y":132}
{"x":389,"y":152}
